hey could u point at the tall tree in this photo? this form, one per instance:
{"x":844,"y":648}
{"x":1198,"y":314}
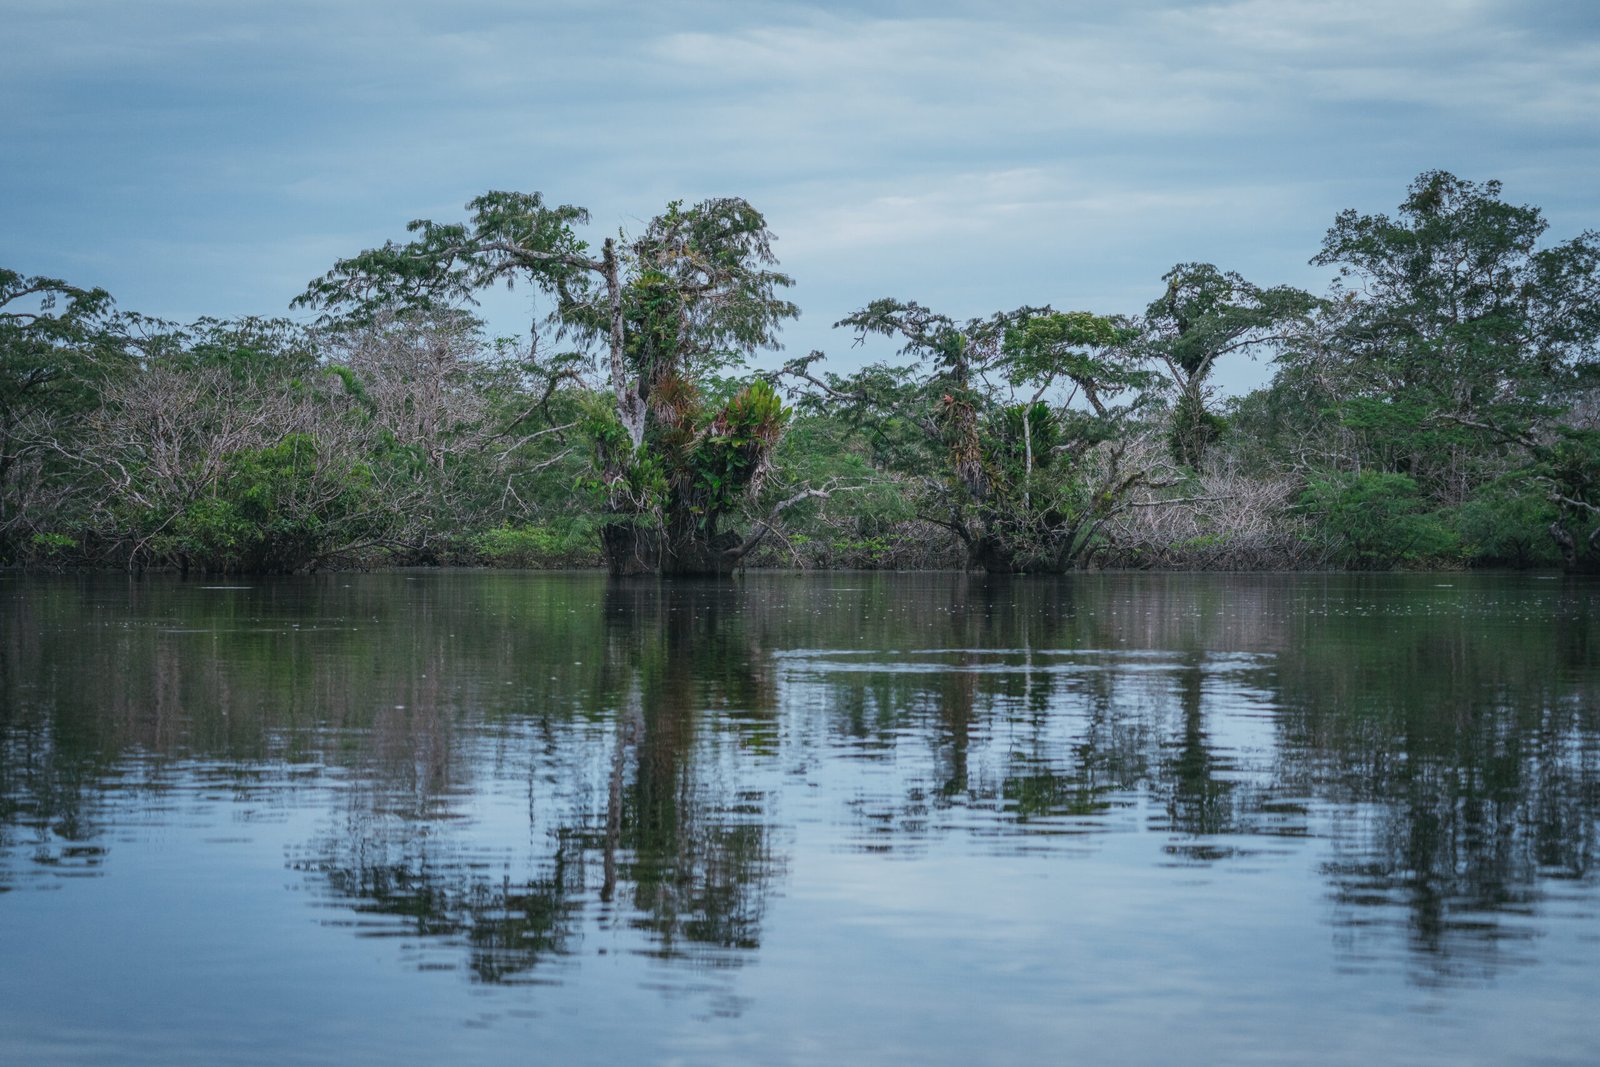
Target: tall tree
{"x":51,"y":335}
{"x":1011,"y":428}
{"x":1204,"y":316}
{"x":1456,"y":329}
{"x":692,"y":294}
{"x":1458,"y":353}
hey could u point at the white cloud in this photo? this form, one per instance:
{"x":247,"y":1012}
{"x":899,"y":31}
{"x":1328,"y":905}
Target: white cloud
{"x":984,"y":155}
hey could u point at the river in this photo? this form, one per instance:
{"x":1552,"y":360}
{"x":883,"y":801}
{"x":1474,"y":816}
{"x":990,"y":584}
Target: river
{"x":800,"y":819}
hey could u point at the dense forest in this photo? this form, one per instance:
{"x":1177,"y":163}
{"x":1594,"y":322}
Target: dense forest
{"x":1439,"y":406}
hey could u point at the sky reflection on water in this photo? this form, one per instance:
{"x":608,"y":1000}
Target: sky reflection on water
{"x":796,"y":819}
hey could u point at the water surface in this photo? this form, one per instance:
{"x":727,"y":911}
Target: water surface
{"x":800,"y":819}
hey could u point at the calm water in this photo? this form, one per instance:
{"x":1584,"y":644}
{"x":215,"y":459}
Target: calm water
{"x":833,"y":819}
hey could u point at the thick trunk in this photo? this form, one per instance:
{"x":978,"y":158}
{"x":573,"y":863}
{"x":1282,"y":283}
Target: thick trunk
{"x":693,"y":549}
{"x":990,"y":553}
{"x":684,"y":549}
{"x":630,"y":549}
{"x":1577,"y":557}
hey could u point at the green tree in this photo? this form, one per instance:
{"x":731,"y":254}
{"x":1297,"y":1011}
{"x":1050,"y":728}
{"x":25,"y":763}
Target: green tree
{"x":691,"y":295}
{"x":279,"y":509}
{"x":1205,"y":315}
{"x":1454,"y":320}
{"x":1375,"y":520}
{"x":54,"y":340}
{"x":1569,"y":470}
{"x":1011,"y":428}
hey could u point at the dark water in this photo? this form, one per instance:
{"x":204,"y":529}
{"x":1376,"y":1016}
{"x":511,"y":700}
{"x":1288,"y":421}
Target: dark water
{"x":835,"y":819}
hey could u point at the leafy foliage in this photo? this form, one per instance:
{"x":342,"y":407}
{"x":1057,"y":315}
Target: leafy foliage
{"x":1462,"y":320}
{"x":1205,"y":315}
{"x":1375,"y":520}
{"x":56,"y":343}
{"x":1570,"y":469}
{"x":1441,"y":407}
{"x":276,"y":510}
{"x":690,"y":296}
{"x":984,"y":425}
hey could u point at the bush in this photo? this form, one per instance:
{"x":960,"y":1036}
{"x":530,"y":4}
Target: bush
{"x":1505,"y":528}
{"x":538,"y":546}
{"x":276,"y":510}
{"x":1375,"y":520}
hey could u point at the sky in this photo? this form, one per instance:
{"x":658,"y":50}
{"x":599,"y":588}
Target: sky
{"x":203,"y":158}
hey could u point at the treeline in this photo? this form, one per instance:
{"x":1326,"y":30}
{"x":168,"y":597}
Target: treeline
{"x":1439,"y":406}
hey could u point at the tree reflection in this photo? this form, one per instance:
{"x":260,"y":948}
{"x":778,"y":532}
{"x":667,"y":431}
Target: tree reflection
{"x":506,"y":929}
{"x":516,"y":768}
{"x":1467,"y":773}
{"x":1200,"y":802}
{"x":1452,"y":757}
{"x":681,"y":855}
{"x":48,"y":799}
{"x":692,"y":856}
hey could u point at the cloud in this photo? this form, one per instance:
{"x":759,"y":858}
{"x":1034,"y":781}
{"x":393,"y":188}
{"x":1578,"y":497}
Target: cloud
{"x":977,"y":155}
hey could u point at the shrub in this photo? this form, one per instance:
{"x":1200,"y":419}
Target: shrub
{"x":538,"y":546}
{"x":1375,"y":520}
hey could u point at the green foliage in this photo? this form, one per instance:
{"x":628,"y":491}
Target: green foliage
{"x":1570,"y":471}
{"x":1456,"y":353}
{"x":1460,"y":318}
{"x":58,"y":342}
{"x":1507,"y":525}
{"x":1020,"y":480}
{"x":691,"y":295}
{"x":508,"y":237}
{"x":570,"y":545}
{"x":597,"y":419}
{"x":1572,"y":467}
{"x":52,"y":543}
{"x":1204,"y":316}
{"x":1020,"y":431}
{"x":1375,"y":520}
{"x":870,"y":521}
{"x":1041,"y":347}
{"x":701,"y":296}
{"x":734,"y":453}
{"x":1439,"y":407}
{"x":1194,"y":430}
{"x":248,"y":349}
{"x":50,"y":549}
{"x":275,"y":510}
{"x":353,"y":386}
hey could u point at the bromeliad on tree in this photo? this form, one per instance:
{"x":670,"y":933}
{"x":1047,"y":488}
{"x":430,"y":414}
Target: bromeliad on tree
{"x":692,"y":295}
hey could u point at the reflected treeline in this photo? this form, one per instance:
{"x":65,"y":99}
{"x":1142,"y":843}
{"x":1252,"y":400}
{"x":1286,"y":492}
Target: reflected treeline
{"x":1058,"y":703}
{"x":396,"y":880}
{"x":517,"y":765}
{"x":1461,"y":743}
{"x":422,"y":693}
{"x":1444,"y":733}
{"x":692,"y":854}
{"x":634,"y":817}
{"x":108,"y":683}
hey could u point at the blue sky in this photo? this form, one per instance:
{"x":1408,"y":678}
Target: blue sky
{"x":200,"y":157}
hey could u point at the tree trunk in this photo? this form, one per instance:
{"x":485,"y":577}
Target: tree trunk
{"x":989,"y":553}
{"x":630,"y":402}
{"x":1577,"y":558}
{"x":630,"y":549}
{"x":695,"y":549}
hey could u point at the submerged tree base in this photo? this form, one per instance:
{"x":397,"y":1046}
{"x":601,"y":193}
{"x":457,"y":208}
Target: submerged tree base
{"x":630,"y":549}
{"x":634,"y":550}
